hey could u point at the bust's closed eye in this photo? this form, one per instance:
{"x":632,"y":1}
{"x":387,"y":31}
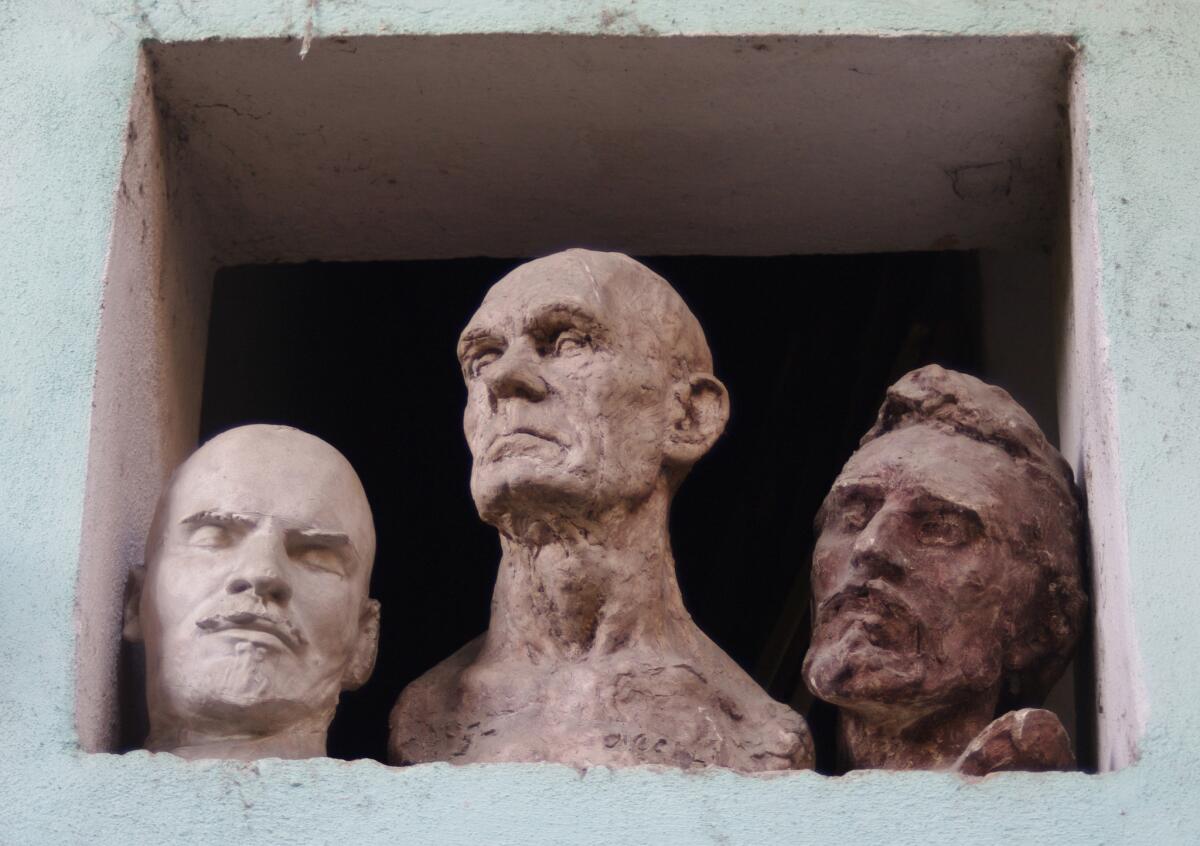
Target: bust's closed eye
{"x":319,"y":551}
{"x":210,"y":536}
{"x":319,"y":558}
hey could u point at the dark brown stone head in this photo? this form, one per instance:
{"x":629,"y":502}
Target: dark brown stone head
{"x":947,"y":566}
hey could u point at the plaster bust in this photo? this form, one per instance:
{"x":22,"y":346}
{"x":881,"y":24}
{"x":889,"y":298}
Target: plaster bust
{"x":946,"y":573}
{"x":253,"y":601}
{"x":590,"y":395}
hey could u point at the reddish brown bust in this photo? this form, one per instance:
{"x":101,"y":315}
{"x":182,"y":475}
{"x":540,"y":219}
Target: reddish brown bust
{"x":946,"y":574}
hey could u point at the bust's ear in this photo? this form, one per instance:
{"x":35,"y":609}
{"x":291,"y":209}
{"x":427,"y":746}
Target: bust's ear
{"x":698,"y":419}
{"x":132,"y":631}
{"x":365,"y":648}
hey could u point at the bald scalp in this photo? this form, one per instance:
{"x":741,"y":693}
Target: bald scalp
{"x":639,"y":295}
{"x":645,"y":298}
{"x":280,"y":448}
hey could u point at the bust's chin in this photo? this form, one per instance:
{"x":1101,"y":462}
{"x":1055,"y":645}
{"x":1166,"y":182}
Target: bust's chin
{"x":239,"y":712}
{"x":264,"y":729}
{"x":208,"y":721}
{"x":264,"y":712}
{"x":526,"y":490}
{"x":235,"y":697}
{"x":864,"y":679}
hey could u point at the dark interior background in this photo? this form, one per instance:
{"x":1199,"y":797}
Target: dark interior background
{"x":363,"y":355}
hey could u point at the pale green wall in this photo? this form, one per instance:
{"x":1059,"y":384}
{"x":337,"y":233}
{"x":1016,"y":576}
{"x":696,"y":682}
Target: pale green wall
{"x":66,"y":72}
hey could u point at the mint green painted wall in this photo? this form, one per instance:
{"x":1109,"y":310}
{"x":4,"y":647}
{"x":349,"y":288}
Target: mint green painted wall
{"x":66,"y":73}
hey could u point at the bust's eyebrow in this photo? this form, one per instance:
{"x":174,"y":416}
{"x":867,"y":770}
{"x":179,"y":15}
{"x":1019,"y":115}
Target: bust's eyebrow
{"x":212,"y":517}
{"x":931,"y":498}
{"x":473,"y":335}
{"x":318,"y":537}
{"x":844,"y":491}
{"x":541,"y":320}
{"x":565,"y":313}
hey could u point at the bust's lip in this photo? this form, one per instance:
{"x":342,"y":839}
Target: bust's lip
{"x":527,"y":430}
{"x":496,"y":444}
{"x":251,"y":622}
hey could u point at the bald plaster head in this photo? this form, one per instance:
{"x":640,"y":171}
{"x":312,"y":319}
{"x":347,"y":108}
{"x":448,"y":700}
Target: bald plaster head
{"x":589,"y":386}
{"x":947,"y":564}
{"x":253,"y":603}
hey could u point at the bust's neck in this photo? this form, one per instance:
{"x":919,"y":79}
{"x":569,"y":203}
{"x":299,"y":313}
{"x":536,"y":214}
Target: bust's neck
{"x":304,"y":739}
{"x":575,"y":587}
{"x":930,"y":740}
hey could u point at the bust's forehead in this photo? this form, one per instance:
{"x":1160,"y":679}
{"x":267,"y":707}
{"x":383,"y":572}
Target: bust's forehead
{"x":946,"y":464}
{"x":563,"y":278}
{"x":272,"y":471}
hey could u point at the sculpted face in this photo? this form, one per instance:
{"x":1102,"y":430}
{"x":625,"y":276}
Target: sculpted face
{"x":915,"y":582}
{"x":254,"y":609}
{"x":568,"y":394}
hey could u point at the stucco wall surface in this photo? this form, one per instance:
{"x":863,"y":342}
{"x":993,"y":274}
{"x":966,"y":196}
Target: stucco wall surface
{"x":67,"y":72}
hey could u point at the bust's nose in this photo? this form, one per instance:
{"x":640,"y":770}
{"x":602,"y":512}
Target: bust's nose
{"x":515,"y":374}
{"x":261,"y":570}
{"x":879,"y":550}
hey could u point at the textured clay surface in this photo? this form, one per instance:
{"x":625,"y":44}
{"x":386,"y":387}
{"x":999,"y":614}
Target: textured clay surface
{"x":1031,"y":739}
{"x":590,"y":396}
{"x":947,"y":570}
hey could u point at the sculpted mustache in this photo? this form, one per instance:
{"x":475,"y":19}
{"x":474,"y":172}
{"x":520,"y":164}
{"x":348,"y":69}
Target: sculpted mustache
{"x":891,"y":601}
{"x":234,"y":619}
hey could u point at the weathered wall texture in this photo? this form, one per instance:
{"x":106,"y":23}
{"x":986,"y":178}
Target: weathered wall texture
{"x":68,"y":74}
{"x":507,"y":145}
{"x":146,"y":398}
{"x":1091,"y":442}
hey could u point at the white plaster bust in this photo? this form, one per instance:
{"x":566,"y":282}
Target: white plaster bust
{"x":253,"y":602}
{"x":590,"y":395}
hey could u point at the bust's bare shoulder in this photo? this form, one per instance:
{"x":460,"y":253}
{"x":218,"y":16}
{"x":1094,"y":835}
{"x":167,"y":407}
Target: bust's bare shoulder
{"x":767,"y":734}
{"x":427,"y":708}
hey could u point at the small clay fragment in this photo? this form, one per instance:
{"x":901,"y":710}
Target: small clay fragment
{"x":1030,"y":739}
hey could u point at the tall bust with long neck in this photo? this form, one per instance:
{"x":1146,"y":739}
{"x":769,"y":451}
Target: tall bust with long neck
{"x":590,"y":395}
